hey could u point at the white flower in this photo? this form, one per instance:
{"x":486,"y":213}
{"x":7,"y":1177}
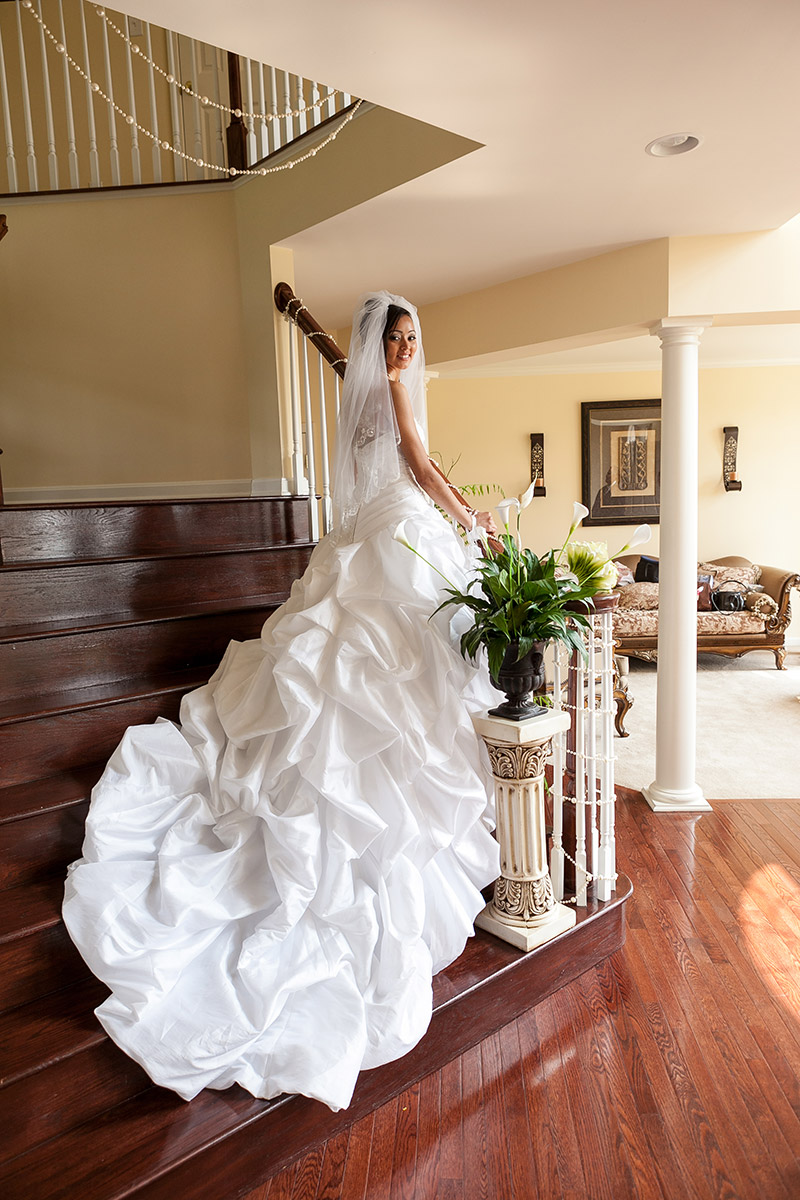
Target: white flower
{"x":399,"y":534}
{"x":527,"y":495}
{"x":579,"y":511}
{"x":504,"y":508}
{"x":641,"y":534}
{"x":590,"y":563}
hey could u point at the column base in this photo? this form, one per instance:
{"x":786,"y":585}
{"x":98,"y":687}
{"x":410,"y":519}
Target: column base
{"x":559,"y":919}
{"x":665,"y":800}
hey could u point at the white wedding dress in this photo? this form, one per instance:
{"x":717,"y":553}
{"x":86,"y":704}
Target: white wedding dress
{"x":269,"y":889}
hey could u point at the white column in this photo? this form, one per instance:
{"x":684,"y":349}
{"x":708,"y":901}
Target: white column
{"x":674,"y":788}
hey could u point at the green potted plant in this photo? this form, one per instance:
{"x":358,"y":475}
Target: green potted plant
{"x":519,"y":601}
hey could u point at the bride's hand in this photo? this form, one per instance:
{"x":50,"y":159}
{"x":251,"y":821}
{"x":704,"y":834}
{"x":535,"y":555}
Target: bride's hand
{"x":486,"y":521}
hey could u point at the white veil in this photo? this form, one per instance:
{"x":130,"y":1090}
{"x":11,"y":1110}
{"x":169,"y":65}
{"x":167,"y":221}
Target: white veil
{"x":368,"y":455}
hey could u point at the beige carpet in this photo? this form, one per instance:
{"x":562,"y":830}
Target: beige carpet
{"x":748,"y":728}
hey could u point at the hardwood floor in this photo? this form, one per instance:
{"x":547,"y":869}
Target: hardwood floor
{"x":669,"y":1071}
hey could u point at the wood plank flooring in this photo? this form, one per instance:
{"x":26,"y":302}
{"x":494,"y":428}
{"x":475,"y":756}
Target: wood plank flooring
{"x":669,"y":1072}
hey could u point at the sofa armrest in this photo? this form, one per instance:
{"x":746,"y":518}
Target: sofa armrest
{"x":779,"y":584}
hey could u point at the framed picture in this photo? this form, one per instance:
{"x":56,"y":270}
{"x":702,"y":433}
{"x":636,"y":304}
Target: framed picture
{"x":621,"y":461}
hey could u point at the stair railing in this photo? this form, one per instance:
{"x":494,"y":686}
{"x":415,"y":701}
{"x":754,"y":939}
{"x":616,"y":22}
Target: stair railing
{"x":83,"y":97}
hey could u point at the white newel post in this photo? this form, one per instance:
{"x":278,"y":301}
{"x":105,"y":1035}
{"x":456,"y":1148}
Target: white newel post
{"x":524,"y":910}
{"x":674,"y":788}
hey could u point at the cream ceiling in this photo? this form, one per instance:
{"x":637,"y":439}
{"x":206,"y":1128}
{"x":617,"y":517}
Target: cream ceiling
{"x":563,"y":96}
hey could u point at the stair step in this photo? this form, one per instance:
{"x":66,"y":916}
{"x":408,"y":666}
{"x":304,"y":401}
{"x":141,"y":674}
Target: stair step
{"x":50,"y":1029}
{"x":30,"y":907}
{"x":59,"y":790}
{"x":30,"y":533}
{"x":113,"y":652}
{"x":35,"y":591}
{"x":78,"y":727}
{"x":42,"y":961}
{"x":43,"y":846}
{"x":156,"y":1147}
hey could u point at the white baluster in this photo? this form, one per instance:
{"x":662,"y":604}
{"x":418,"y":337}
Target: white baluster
{"x":263,"y":135}
{"x":94,"y":157}
{"x":299,"y":485}
{"x":314,"y":117}
{"x":330,"y":103}
{"x":324,"y":452}
{"x":299,"y":88}
{"x":252,"y":144}
{"x":136,"y":164}
{"x":179,"y":167}
{"x":72,"y":153}
{"x":219,"y":127}
{"x":580,"y":782}
{"x":311,"y":470}
{"x":557,"y":790}
{"x":288,"y":132}
{"x":274,"y":124}
{"x":112,"y":116}
{"x":33,"y":179}
{"x":153,"y":104}
{"x":52,"y":157}
{"x":11,"y":162}
{"x":336,"y":396}
{"x":606,"y":865}
{"x":197,"y":111}
{"x":591,"y":750}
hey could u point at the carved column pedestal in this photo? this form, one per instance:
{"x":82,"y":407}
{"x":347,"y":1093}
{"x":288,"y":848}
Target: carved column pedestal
{"x":524,"y":910}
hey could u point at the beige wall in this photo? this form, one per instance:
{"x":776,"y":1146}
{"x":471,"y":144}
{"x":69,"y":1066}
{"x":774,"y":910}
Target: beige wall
{"x":122,"y":343}
{"x":489,"y":421}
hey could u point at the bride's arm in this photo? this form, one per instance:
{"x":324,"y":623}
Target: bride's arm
{"x":427,"y":476}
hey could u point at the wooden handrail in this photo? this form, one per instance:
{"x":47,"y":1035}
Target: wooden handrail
{"x":287,"y":302}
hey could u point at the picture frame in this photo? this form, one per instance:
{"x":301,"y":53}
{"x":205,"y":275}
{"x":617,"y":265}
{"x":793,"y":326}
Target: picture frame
{"x":621,"y":461}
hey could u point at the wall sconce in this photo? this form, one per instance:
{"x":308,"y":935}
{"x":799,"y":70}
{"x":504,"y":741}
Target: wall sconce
{"x":537,"y":464}
{"x":729,"y":474}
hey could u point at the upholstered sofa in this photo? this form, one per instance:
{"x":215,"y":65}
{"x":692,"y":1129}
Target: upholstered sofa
{"x":761,"y":626}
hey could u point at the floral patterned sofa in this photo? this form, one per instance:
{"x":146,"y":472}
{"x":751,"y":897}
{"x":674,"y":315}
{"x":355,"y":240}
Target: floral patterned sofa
{"x":761,"y":626}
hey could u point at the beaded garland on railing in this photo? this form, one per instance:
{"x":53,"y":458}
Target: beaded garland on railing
{"x":164,"y":143}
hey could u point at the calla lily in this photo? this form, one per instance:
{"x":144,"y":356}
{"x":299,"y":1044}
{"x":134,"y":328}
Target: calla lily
{"x":641,"y":534}
{"x":504,"y":508}
{"x":399,"y":535}
{"x":527,"y":496}
{"x":579,"y":511}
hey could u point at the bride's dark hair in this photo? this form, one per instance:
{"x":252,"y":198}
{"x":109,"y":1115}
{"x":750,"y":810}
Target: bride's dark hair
{"x":393,"y":315}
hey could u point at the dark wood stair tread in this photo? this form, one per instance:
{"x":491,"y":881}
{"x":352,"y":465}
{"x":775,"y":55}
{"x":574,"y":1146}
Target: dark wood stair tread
{"x":155,"y":1146}
{"x":208,"y":551}
{"x":118,"y":692}
{"x":54,"y":1027}
{"x":120,"y":620}
{"x":60,"y":790}
{"x":30,"y":907}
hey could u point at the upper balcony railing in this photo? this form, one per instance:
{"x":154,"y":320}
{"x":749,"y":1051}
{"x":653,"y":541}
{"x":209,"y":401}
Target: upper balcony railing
{"x":92,"y":98}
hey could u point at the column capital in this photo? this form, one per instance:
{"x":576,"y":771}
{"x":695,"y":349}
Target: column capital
{"x":680,"y":330}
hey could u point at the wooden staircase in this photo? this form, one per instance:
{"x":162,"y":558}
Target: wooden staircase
{"x":108,"y":615}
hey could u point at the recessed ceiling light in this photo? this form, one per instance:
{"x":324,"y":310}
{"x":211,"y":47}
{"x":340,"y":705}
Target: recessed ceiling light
{"x":673,"y":143}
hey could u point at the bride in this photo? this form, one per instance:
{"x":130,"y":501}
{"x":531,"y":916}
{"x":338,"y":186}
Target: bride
{"x":269,"y":888}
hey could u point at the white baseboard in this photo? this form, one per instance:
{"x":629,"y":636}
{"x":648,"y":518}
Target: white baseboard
{"x":188,"y":489}
{"x":270,"y":487}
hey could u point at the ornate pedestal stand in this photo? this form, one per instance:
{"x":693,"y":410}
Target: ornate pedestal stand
{"x":524,"y":910}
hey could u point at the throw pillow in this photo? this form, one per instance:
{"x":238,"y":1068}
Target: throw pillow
{"x":749,"y":574}
{"x":641,"y":596}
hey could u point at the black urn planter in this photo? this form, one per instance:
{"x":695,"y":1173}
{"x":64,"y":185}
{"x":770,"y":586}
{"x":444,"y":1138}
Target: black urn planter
{"x":518,"y":678}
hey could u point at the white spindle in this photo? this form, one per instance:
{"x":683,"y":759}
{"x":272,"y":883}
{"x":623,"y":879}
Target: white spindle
{"x":112,"y":116}
{"x":274,"y":124}
{"x":252,"y":144}
{"x":330,"y":103}
{"x":299,"y":87}
{"x":172,"y":62}
{"x":314,"y":115}
{"x":199,"y":149}
{"x":263,"y":135}
{"x":606,"y":863}
{"x":311,"y":470}
{"x":72,"y":152}
{"x":591,"y":747}
{"x":327,"y":514}
{"x":336,"y":394}
{"x":94,"y":156}
{"x":218,"y":156}
{"x":288,"y":132}
{"x":136,"y":164}
{"x":52,"y":156}
{"x":580,"y":783}
{"x":11,"y":162}
{"x":299,"y":485}
{"x":557,"y":790}
{"x":151,"y":89}
{"x":33,"y":179}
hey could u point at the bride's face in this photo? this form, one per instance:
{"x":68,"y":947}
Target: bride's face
{"x":401,"y":345}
